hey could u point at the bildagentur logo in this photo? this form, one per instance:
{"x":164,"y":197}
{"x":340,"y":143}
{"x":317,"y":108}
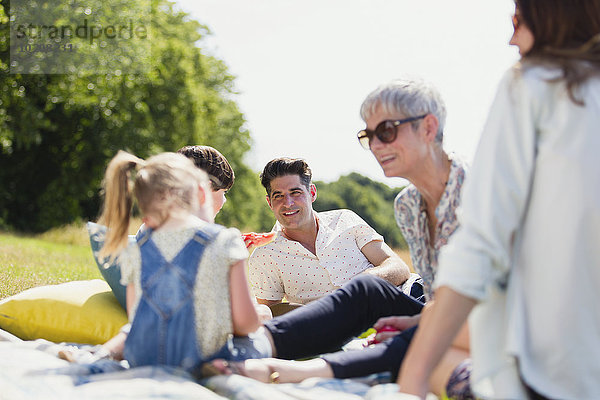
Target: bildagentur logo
{"x":86,"y":30}
{"x":89,"y":37}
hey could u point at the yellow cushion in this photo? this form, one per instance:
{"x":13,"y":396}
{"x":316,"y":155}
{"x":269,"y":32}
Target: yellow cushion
{"x":77,"y":312}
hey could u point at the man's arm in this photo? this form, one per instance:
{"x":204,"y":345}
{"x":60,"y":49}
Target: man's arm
{"x":267,"y":302}
{"x":386,"y":263}
{"x":264,"y":278}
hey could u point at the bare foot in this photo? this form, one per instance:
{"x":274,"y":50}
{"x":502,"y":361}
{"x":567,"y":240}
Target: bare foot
{"x":75,"y":355}
{"x":297,"y":371}
{"x":66,"y":355}
{"x":115,"y":346}
{"x":273,"y":370}
{"x":259,"y":371}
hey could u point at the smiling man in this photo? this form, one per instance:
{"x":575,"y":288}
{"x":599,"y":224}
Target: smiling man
{"x":313,"y":253}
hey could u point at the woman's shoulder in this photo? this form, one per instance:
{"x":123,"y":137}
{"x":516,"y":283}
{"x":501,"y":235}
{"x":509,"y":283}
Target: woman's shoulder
{"x":459,"y":167}
{"x":409,"y":194}
{"x":531,"y":77}
{"x":531,"y":70}
{"x":528,"y":89}
{"x":407,"y":206}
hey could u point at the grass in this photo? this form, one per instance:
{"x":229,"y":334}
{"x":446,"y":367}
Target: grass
{"x":27,"y":262}
{"x":59,"y":255}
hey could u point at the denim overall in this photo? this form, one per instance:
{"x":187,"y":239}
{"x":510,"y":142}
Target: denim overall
{"x":163,"y":331}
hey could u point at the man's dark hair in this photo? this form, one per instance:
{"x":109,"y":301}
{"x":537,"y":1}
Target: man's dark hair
{"x":213,"y":163}
{"x":285,"y":166}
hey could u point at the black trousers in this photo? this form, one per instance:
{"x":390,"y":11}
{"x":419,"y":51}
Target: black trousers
{"x":325,"y":325}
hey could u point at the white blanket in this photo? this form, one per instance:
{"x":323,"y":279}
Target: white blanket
{"x":32,"y":370}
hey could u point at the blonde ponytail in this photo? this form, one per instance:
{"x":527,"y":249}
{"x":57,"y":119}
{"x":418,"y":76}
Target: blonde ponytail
{"x":118,"y":201}
{"x":163,"y":185}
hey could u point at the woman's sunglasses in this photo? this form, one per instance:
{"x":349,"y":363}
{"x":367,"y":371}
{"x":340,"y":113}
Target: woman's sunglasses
{"x":386,"y":131}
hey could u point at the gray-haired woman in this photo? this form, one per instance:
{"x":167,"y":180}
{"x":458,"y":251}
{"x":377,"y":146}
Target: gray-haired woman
{"x":405,"y":123}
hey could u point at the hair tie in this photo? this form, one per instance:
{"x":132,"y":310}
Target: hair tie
{"x":133,"y":168}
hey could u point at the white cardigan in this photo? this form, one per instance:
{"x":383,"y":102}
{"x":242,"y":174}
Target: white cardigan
{"x":529,"y":243}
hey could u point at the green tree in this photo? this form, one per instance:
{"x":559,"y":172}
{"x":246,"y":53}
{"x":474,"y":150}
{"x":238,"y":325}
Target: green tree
{"x":372,"y":201}
{"x":58,"y":131}
{"x":246,"y":207}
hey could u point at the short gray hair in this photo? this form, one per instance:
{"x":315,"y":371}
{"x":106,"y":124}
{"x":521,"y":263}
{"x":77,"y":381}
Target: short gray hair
{"x":409,"y":97}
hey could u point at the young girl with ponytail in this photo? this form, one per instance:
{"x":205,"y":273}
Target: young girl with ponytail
{"x":183,"y":271}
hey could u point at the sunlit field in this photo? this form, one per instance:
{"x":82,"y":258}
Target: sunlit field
{"x":59,"y":255}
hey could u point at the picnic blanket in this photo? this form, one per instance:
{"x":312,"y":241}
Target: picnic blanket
{"x":32,"y":370}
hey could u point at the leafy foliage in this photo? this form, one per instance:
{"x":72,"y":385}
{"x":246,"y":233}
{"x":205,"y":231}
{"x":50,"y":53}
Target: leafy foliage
{"x":373,"y":201}
{"x":58,"y":132}
{"x":246,"y":207}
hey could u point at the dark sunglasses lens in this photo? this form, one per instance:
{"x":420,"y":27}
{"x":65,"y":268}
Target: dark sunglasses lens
{"x":386,"y":132}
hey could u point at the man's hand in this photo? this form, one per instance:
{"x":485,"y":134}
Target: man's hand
{"x":257,"y":239}
{"x":267,"y":302}
{"x":264,"y":312}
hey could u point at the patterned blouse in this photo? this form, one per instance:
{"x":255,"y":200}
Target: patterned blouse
{"x":411,"y":217}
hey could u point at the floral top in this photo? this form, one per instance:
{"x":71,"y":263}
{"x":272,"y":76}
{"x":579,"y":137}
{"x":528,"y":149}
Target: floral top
{"x":411,"y":217}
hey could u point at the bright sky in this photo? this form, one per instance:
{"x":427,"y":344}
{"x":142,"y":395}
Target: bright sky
{"x":303,"y":68}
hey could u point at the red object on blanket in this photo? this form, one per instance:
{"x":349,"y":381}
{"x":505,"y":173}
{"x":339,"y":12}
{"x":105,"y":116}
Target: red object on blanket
{"x":385,"y":328}
{"x":257,"y":239}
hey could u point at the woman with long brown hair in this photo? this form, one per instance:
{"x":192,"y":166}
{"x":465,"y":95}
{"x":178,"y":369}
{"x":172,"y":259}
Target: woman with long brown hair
{"x":530,"y":225}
